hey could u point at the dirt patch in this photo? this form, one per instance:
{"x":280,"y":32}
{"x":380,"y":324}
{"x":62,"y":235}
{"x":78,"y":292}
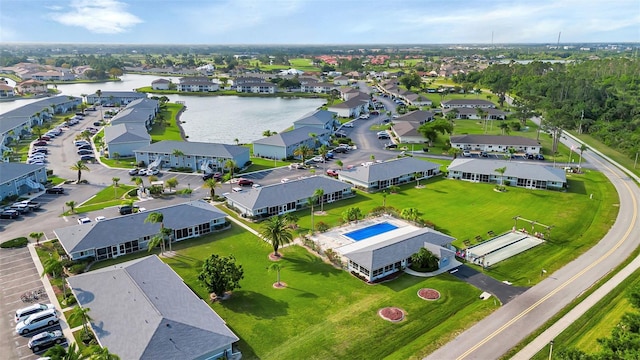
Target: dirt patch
{"x":274,"y":257}
{"x":429,"y":294}
{"x":392,"y":314}
{"x":279,"y":285}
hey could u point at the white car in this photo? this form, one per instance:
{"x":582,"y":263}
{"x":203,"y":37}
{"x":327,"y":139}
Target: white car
{"x":284,"y":180}
{"x":25,"y":312}
{"x":318,"y":158}
{"x":84,"y":220}
{"x":100,"y":218}
{"x":36,"y":321}
{"x":153,"y":171}
{"x":348,"y":125}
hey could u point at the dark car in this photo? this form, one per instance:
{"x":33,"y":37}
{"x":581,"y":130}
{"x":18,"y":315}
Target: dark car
{"x":340,"y":134}
{"x":44,"y":138}
{"x":245,"y":182}
{"x":383,"y":137}
{"x":9,"y":214}
{"x":85,"y":152}
{"x":87,"y":157}
{"x":391,"y":146}
{"x":539,"y":157}
{"x":339,"y":150}
{"x":217,"y":176}
{"x":55,"y":190}
{"x":40,"y":143}
{"x":97,"y":123}
{"x":125,"y":209}
{"x":46,"y":340}
{"x":85,"y":147}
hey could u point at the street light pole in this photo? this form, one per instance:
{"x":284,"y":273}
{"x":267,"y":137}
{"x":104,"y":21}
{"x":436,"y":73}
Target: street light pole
{"x":550,"y":349}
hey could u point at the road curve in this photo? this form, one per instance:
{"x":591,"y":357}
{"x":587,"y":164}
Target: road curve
{"x":496,"y":334}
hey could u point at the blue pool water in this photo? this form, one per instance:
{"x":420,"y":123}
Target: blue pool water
{"x":370,"y":231}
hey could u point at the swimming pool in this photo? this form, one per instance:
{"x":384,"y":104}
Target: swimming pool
{"x":370,"y":231}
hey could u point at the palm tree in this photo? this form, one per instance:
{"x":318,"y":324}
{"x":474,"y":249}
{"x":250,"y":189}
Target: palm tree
{"x":303,"y":151}
{"x":410,"y":214}
{"x":178,"y":153}
{"x":72,"y":205}
{"x":340,"y":164}
{"x":583,"y":148}
{"x":158,"y":218}
{"x":236,"y":141}
{"x":138,"y":181}
{"x":501,"y":171}
{"x":311,"y":201}
{"x":115,"y":181}
{"x":504,"y":127}
{"x":482,"y":114}
{"x":276,"y":231}
{"x":276,"y":267}
{"x":351,"y":214}
{"x":37,"y":236}
{"x":211,"y":184}
{"x":231,"y":165}
{"x":99,"y":93}
{"x":323,"y":150}
{"x":79,"y":166}
{"x":101,"y":353}
{"x":54,"y":267}
{"x":319,"y":194}
{"x":82,"y":315}
{"x":454,"y":151}
{"x":61,"y":353}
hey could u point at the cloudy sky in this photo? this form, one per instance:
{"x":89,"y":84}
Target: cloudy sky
{"x":318,"y":21}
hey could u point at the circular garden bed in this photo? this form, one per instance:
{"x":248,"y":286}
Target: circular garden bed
{"x":429,"y":294}
{"x":392,"y":314}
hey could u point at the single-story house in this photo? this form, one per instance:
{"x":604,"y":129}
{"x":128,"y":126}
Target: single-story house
{"x":286,"y":197}
{"x":282,"y":145}
{"x":389,"y":252}
{"x":472,"y":113}
{"x":6,"y":91}
{"x":353,"y":107}
{"x":31,"y":86}
{"x":52,"y":75}
{"x":418,"y":116}
{"x":197,"y":84}
{"x":347,"y":92}
{"x":171,"y":321}
{"x":341,"y":81}
{"x":115,"y":97}
{"x":407,"y":132}
{"x":378,"y":176}
{"x":125,"y":138}
{"x":19,"y":179}
{"x":321,"y":119}
{"x":417,"y":100}
{"x":160,"y":84}
{"x":467,"y":103}
{"x":520,"y":174}
{"x":126,"y":234}
{"x":496,"y":143}
{"x":195,"y":155}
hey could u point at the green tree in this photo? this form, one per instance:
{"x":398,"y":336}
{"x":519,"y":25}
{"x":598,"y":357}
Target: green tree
{"x":352,"y":214}
{"x":425,"y":259}
{"x":211,"y":184}
{"x":411,"y":80}
{"x":115,"y":181}
{"x":276,"y":232}
{"x":410,"y":214}
{"x":583,"y":148}
{"x":172,"y":183}
{"x":277,"y":268}
{"x":178,"y":154}
{"x":79,"y":166}
{"x":101,"y":353}
{"x":501,"y":171}
{"x":430,"y":130}
{"x":138,"y":181}
{"x":303,"y":151}
{"x":72,"y":205}
{"x":58,"y":352}
{"x":504,"y":127}
{"x":340,"y":164}
{"x":221,"y":274}
{"x":454,"y":151}
{"x":157,"y":217}
{"x":319,"y":194}
{"x":322,"y":151}
{"x":116,"y":156}
{"x":80,"y":314}
{"x":37,"y":236}
{"x":231,"y":166}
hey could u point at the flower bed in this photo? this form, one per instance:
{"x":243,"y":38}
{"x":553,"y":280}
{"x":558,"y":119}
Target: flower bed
{"x":392,"y":314}
{"x":429,"y":294}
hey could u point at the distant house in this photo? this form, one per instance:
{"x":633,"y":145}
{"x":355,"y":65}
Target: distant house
{"x":121,"y":235}
{"x":467,"y":103}
{"x":125,"y":138}
{"x":31,"y":87}
{"x":6,"y":91}
{"x":416,"y":100}
{"x":257,"y":88}
{"x":318,"y":88}
{"x":526,"y":175}
{"x":286,"y":197}
{"x":115,"y":98}
{"x":408,"y":132}
{"x":321,"y":119}
{"x":20,"y":179}
{"x":341,"y":81}
{"x":197,"y":84}
{"x":378,"y":176}
{"x":496,"y":143}
{"x":160,"y":84}
{"x":171,"y":322}
{"x":195,"y":155}
{"x":282,"y":145}
{"x":353,"y":107}
{"x":417,"y":116}
{"x":472,"y":113}
{"x":53,"y":75}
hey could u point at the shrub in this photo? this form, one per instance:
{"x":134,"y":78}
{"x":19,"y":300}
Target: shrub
{"x":49,"y":172}
{"x":77,"y":268}
{"x":322,"y":226}
{"x":15,"y":243}
{"x":155,"y":190}
{"x":133,"y":192}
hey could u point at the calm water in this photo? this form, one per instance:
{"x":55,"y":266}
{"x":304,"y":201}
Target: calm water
{"x":209,"y":118}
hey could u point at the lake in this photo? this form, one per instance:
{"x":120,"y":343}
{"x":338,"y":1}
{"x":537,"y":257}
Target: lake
{"x":219,"y":119}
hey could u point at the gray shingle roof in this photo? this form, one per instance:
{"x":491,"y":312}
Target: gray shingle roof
{"x":120,"y":94}
{"x":515,"y":169}
{"x":406,"y":128}
{"x":126,"y":133}
{"x":469,"y":102}
{"x":19,"y":116}
{"x":317,"y":117}
{"x":10,"y":171}
{"x":292,"y":137}
{"x":133,"y":115}
{"x":387,"y":170}
{"x":120,"y":229}
{"x":381,"y":253}
{"x":352,"y":102}
{"x":141,"y":309}
{"x":195,"y":148}
{"x":282,"y":193}
{"x":417,"y":116}
{"x":494,"y":140}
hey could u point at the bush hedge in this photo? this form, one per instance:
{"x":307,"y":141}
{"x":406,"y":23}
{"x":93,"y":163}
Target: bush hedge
{"x":15,"y":243}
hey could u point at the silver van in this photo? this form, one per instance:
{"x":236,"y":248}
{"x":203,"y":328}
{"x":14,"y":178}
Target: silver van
{"x":36,"y":321}
{"x":25,"y":312}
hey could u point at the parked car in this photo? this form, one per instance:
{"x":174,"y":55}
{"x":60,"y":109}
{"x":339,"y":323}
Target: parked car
{"x":81,"y":142}
{"x":329,"y":155}
{"x":85,"y":152}
{"x":40,"y":150}
{"x":332,"y":172}
{"x":36,"y":321}
{"x":340,"y":134}
{"x":9,"y":214}
{"x":84,"y":220}
{"x":245,"y":182}
{"x":40,"y":143}
{"x":21,"y":207}
{"x":539,"y":157}
{"x":216,"y":175}
{"x":340,"y":150}
{"x":133,"y":172}
{"x":318,"y":158}
{"x":32,"y":204}
{"x":46,"y":340}
{"x":383,"y":136}
{"x":55,"y":190}
{"x":125,"y":209}
{"x":347,"y":125}
{"x":45,"y":138}
{"x":484,"y":154}
{"x":466,"y":153}
{"x":35,"y":162}
{"x":296,"y":166}
{"x":100,"y":218}
{"x":90,"y":109}
{"x":97,"y":123}
{"x":153,"y":171}
{"x":87,"y":157}
{"x":391,"y":146}
{"x":85,"y":147}
{"x":25,"y":312}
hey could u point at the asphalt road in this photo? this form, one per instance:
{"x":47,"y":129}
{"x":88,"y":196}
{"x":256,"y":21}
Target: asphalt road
{"x":499,"y":332}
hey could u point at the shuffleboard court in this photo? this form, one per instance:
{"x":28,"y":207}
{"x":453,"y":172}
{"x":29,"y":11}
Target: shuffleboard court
{"x":501,"y":247}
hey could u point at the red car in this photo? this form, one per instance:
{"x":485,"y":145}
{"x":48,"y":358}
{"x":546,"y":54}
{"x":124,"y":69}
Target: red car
{"x":45,"y":138}
{"x":40,"y":143}
{"x":332,"y":172}
{"x":245,"y":182}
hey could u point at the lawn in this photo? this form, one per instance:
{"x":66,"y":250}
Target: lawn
{"x":123,"y":163}
{"x":169,"y":129}
{"x":109,"y":196}
{"x":325,"y":312}
{"x":259,"y":164}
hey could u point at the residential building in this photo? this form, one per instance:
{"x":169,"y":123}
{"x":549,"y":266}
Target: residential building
{"x":31,"y":87}
{"x":197,"y":84}
{"x":121,"y":235}
{"x":257,"y":88}
{"x":496,"y":143}
{"x":52,"y":75}
{"x":321,"y":119}
{"x":115,"y":98}
{"x":353,"y":107}
{"x":378,"y":176}
{"x":6,"y":91}
{"x":142,"y":309}
{"x":520,"y":174}
{"x":341,"y":81}
{"x":417,"y":116}
{"x":318,"y":88}
{"x":282,"y":145}
{"x":125,"y":138}
{"x":384,"y":254}
{"x":160,"y":84}
{"x":282,"y":198}
{"x":140,"y":111}
{"x":20,"y":179}
{"x":195,"y":155}
{"x":472,"y":113}
{"x":467,"y":103}
{"x":408,"y":132}
{"x":416,"y":100}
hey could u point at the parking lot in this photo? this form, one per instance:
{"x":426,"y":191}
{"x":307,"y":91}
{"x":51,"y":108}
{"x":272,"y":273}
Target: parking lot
{"x":18,"y":276}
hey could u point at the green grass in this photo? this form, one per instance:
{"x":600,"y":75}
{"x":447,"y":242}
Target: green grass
{"x":325,"y":312}
{"x":618,"y":157}
{"x":72,"y":324}
{"x":56,"y":180}
{"x":124,"y":163}
{"x":15,"y":243}
{"x":105,"y":198}
{"x":169,"y":129}
{"x":258,"y":164}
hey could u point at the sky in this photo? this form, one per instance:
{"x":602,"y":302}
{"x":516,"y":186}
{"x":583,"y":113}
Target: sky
{"x":318,"y":21}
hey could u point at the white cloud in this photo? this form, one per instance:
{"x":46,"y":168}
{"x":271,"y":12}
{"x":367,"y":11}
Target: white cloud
{"x":98,"y":16}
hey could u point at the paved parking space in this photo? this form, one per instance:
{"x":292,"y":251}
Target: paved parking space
{"x":18,"y":275}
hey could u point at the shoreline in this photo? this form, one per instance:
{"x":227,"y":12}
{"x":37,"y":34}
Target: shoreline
{"x":179,"y":123}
